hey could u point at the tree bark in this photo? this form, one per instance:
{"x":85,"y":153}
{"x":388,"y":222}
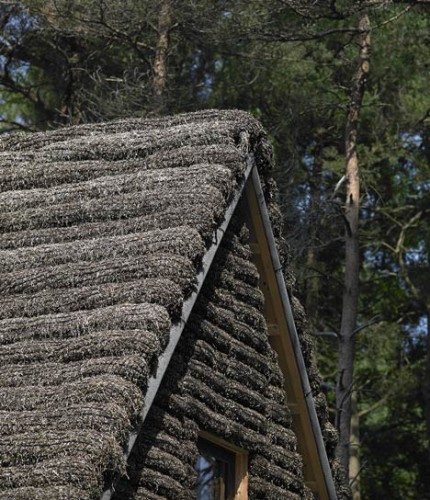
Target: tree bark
{"x":352,"y":257}
{"x":312,"y":280}
{"x":159,"y":81}
{"x":354,"y":459}
{"x":427,"y":382}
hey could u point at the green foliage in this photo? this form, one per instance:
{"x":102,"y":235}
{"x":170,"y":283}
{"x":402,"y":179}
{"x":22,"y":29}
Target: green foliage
{"x":394,"y":448}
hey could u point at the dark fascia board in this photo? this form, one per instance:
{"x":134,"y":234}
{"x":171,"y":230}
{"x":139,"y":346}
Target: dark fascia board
{"x":177,"y":329}
{"x":255,"y":179}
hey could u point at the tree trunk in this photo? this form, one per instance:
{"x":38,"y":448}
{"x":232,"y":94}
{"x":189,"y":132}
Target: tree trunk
{"x":352,"y":258}
{"x":354,"y":459}
{"x":427,"y":383}
{"x":71,"y":109}
{"x":159,"y":81}
{"x":312,"y":280}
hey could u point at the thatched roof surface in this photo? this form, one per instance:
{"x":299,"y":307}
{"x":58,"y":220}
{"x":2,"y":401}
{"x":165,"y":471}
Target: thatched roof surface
{"x":103,"y":230}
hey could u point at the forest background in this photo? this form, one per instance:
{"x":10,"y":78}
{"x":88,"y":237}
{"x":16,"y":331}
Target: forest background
{"x":342,"y":87}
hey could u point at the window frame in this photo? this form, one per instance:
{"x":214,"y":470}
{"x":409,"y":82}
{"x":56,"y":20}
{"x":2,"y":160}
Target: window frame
{"x":240,"y":463}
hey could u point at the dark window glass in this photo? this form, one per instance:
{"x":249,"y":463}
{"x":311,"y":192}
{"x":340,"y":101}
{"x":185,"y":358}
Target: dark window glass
{"x":215,"y":472}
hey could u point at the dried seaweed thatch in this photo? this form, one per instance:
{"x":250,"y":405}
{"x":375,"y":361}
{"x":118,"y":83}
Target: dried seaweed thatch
{"x":103,"y":228}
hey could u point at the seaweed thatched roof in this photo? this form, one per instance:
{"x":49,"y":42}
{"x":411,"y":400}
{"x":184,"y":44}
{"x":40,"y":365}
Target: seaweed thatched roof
{"x":105,"y":233}
{"x":103,"y":230}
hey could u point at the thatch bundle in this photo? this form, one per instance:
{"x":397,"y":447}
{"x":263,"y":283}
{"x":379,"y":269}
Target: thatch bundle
{"x":178,"y":241}
{"x":163,"y":292}
{"x":97,"y":390}
{"x":81,"y":274}
{"x":29,"y":173}
{"x":152,"y":317}
{"x":201,"y":218}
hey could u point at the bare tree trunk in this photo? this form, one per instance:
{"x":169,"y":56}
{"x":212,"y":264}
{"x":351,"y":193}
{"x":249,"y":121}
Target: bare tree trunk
{"x":159,"y":81}
{"x":354,"y":459}
{"x":312,"y":280}
{"x":427,"y":383}
{"x":71,"y":109}
{"x":352,"y":257}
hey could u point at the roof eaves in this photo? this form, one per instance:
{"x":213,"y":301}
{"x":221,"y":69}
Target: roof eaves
{"x":177,"y":329}
{"x":294,"y":336}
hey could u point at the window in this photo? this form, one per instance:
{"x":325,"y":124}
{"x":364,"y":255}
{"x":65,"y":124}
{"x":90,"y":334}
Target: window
{"x":216,"y":472}
{"x":221,"y":470}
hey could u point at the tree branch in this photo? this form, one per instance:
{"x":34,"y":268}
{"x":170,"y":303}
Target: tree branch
{"x":332,"y":335}
{"x":371,"y":322}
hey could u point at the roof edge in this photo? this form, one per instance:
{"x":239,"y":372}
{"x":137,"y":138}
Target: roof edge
{"x":325,"y":466}
{"x":177,"y":328}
